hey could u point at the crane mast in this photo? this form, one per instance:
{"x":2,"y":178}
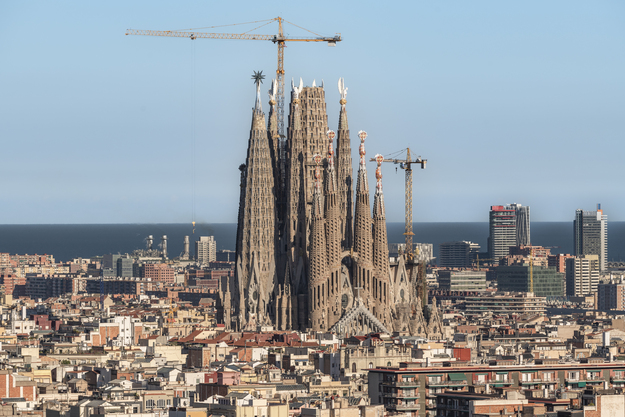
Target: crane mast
{"x":406,"y":164}
{"x":280,"y":81}
{"x":408,"y":204}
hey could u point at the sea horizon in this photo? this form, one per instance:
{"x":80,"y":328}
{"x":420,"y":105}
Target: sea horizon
{"x":66,"y":241}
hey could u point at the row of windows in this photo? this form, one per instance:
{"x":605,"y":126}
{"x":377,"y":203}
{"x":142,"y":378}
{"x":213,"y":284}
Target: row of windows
{"x":158,"y":403}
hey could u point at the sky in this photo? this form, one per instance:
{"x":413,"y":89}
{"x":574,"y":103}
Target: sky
{"x":508,"y":101}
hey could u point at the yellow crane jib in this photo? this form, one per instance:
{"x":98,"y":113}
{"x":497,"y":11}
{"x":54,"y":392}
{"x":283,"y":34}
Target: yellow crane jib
{"x":278,"y":39}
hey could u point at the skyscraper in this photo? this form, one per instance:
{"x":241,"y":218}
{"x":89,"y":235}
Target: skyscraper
{"x":508,"y":226}
{"x":502,"y":231}
{"x":522,"y":225}
{"x":590,"y":234}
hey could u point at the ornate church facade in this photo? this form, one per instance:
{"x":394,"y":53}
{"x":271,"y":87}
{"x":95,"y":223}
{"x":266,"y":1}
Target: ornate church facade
{"x":310,"y":252}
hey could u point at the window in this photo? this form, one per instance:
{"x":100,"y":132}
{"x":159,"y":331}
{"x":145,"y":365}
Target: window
{"x":370,"y":365}
{"x":149,"y":404}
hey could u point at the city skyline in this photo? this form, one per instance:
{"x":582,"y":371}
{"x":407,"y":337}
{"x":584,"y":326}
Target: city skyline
{"x":503,"y":100}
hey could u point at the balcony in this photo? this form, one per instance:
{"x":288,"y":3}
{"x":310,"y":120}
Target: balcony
{"x":446,"y":384}
{"x":407,"y":384}
{"x":433,"y":394}
{"x":404,"y":407}
{"x":401,"y":384}
{"x":500,"y":383}
{"x":400,"y":395}
{"x":532,"y":381}
{"x":594,"y":380}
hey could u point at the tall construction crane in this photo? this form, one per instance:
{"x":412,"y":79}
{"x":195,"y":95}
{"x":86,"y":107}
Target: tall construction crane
{"x":278,"y":39}
{"x":406,"y":164}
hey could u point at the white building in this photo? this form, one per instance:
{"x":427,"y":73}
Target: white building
{"x":205,"y":250}
{"x":582,"y":275}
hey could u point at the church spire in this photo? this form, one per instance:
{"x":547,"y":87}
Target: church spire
{"x":344,"y":170}
{"x":258,"y":78}
{"x":333,"y":238}
{"x":378,"y":201}
{"x":318,"y":260}
{"x":255,"y":259}
{"x":362,"y":225}
{"x":382,"y":285}
{"x":295,"y":221}
{"x":276,"y":145}
{"x":343,"y":101}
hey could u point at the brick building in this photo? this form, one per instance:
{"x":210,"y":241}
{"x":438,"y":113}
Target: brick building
{"x":12,"y":284}
{"x":611,"y":295}
{"x":15,"y":386}
{"x":159,"y":273}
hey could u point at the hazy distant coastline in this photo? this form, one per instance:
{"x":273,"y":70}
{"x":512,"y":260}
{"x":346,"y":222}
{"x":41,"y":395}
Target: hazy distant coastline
{"x":67,"y":241}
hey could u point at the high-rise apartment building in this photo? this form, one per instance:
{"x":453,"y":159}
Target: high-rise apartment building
{"x":457,"y":254}
{"x":582,"y":275}
{"x":508,"y":226}
{"x":205,"y":250}
{"x":591,"y":234}
{"x":522,"y":224}
{"x":502,"y":231}
{"x":611,"y":295}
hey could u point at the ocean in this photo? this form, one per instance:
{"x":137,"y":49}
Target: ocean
{"x":68,"y":241}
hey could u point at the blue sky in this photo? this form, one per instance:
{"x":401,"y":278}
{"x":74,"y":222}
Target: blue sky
{"x":509,"y":102}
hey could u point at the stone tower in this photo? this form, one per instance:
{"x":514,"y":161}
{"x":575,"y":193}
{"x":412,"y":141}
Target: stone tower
{"x":318,"y":258}
{"x":363,"y":240}
{"x":344,"y":171}
{"x":255,"y":261}
{"x":295,"y":225}
{"x":382,"y":291}
{"x":309,"y":255}
{"x":334,"y":238}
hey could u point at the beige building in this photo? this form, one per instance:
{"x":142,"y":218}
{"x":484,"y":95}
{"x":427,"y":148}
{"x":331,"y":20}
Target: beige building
{"x":243,"y":404}
{"x":582,"y":275}
{"x":341,"y":408}
{"x":356,"y":361}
